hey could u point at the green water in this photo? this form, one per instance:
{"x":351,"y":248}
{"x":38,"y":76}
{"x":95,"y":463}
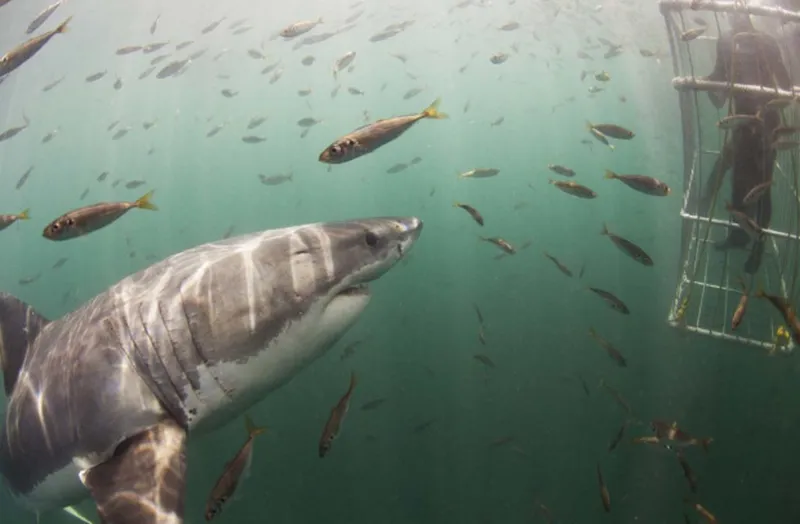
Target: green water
{"x":420,"y":333}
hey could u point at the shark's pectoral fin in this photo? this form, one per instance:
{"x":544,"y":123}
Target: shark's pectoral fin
{"x":19,"y":325}
{"x":144,"y":482}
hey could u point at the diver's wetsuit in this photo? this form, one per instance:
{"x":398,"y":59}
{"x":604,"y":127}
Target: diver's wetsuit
{"x":757,"y":61}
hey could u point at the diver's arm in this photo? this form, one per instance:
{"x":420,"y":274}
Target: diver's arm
{"x":719,"y":74}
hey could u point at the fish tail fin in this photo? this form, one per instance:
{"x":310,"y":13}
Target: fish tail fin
{"x":251,"y":428}
{"x":70,"y":510}
{"x":612,"y":147}
{"x":610,"y":175}
{"x":456,"y":204}
{"x":589,"y":125}
{"x":432,"y":111}
{"x":551,"y":181}
{"x":605,"y":230}
{"x":62,"y":28}
{"x":144,"y":202}
{"x":24,"y":215}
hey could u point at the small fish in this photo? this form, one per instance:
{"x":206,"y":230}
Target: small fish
{"x":373,"y":404}
{"x":102,"y":176}
{"x":42,"y":17}
{"x":184,"y":45}
{"x":612,"y":300}
{"x":147,"y":72}
{"x":299,"y":28}
{"x":214,"y":130}
{"x":574,"y":189}
{"x":7,"y":220}
{"x":370,"y":137}
{"x":561,"y":170}
{"x":498,"y":121}
{"x":628,"y":247}
{"x":14,"y":131}
{"x":617,"y":396}
{"x":744,"y":221}
{"x":561,"y":267}
{"x":613,"y":352}
{"x":88,"y":219}
{"x":691,"y":34}
{"x":416,"y":160}
{"x":213,"y":25}
{"x":478,"y":312}
{"x":397,"y":168}
{"x":602,"y":77}
{"x":483,"y":359}
{"x":594,"y":89}
{"x":754,"y":195}
{"x":600,"y":137}
{"x":738,"y":121}
{"x":24,"y":178}
{"x":334,"y":423}
{"x":29,"y":280}
{"x":498,"y":58}
{"x":154,"y":25}
{"x":152,"y":48}
{"x":741,"y":308}
{"x":275,"y":180}
{"x":235,"y":471}
{"x":252,"y":139}
{"x":97,"y":76}
{"x":476,"y":216}
{"x":411,"y":93}
{"x":501,"y":243}
{"x":342,"y":62}
{"x":612,"y":130}
{"x":308,"y":122}
{"x":510,"y":26}
{"x":604,"y":495}
{"x":121,"y":133}
{"x":786,"y":310}
{"x":642,"y":183}
{"x":134,"y":184}
{"x":173,"y":68}
{"x":256,"y":54}
{"x":480,"y":172}
{"x":618,"y":437}
{"x":707,"y":515}
{"x":308,"y":60}
{"x":355,"y":91}
{"x":228,"y":93}
{"x":53,"y":84}
{"x":148,"y":125}
{"x":127,"y":50}
{"x":256,"y":121}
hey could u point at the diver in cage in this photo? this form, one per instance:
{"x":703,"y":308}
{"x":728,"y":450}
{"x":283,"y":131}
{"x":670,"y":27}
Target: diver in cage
{"x":755,"y":59}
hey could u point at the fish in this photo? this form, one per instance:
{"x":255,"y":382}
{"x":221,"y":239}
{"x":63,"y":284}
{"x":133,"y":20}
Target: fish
{"x":118,"y":84}
{"x":370,"y":137}
{"x":342,"y":62}
{"x":476,"y":216}
{"x":618,"y":437}
{"x":616,"y":395}
{"x":501,"y":243}
{"x":786,"y":310}
{"x":29,"y":280}
{"x":613,"y":352}
{"x":228,"y":93}
{"x":744,"y":221}
{"x":256,"y":54}
{"x":184,"y":45}
{"x":671,"y":436}
{"x":213,"y":25}
{"x":478,"y":313}
{"x":270,"y":68}
{"x":235,"y":471}
{"x":14,"y":131}
{"x":152,"y":48}
{"x":691,"y":34}
{"x":147,"y":72}
{"x":121,"y":133}
{"x":612,"y":300}
{"x":574,"y":189}
{"x":53,"y":84}
{"x":707,"y":515}
{"x":60,"y":262}
{"x":509,"y":26}
{"x":605,"y":497}
{"x":7,"y":220}
{"x":397,"y":168}
{"x":24,"y":178}
{"x":498,"y":122}
{"x":154,"y":25}
{"x":275,"y":180}
{"x":483,"y":359}
{"x":561,"y":170}
{"x":741,"y":309}
{"x":126,"y":50}
{"x":498,"y":58}
{"x":738,"y":121}
{"x":96,"y":76}
{"x":299,"y":28}
{"x":214,"y":130}
{"x":373,"y":404}
{"x":628,"y":247}
{"x":411,"y":93}
{"x":602,"y":76}
{"x":308,"y":60}
{"x":42,"y":17}
{"x":612,"y":131}
{"x":561,"y":267}
{"x":49,"y":136}
{"x":148,"y":125}
{"x":256,"y":121}
{"x":600,"y":137}
{"x":480,"y":172}
{"x":134,"y":184}
{"x":252,"y":139}
{"x":334,"y":423}
{"x":25,"y":51}
{"x":642,"y":183}
{"x":354,"y":91}
{"x":173,"y":68}
{"x":85,"y":220}
{"x":416,"y":160}
{"x":384,"y":35}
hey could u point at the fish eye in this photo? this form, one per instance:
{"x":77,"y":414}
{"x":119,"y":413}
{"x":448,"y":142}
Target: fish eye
{"x":336,"y":150}
{"x":55,"y":226}
{"x":371,"y":239}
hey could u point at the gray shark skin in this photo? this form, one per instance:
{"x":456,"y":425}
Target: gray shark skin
{"x":104,"y":397}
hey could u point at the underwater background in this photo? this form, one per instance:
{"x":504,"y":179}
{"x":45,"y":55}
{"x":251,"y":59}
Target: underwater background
{"x":456,"y":440}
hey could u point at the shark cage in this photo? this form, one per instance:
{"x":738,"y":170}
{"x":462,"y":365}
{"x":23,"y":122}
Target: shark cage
{"x":714,"y":276}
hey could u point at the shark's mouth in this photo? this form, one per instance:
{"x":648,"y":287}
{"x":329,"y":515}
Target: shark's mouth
{"x":354,"y":291}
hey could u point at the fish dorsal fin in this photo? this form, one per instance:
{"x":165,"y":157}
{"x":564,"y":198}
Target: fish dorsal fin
{"x":20,"y":324}
{"x":144,"y":482}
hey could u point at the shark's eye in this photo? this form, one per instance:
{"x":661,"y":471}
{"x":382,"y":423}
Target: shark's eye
{"x":371,"y":239}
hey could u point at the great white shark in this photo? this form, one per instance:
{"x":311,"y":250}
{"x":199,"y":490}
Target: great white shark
{"x":102,"y":400}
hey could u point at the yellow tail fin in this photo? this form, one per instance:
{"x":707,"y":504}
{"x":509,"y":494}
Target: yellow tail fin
{"x":25,"y":215}
{"x":432,"y":111}
{"x":456,"y":204}
{"x":251,"y":428}
{"x":63,"y":27}
{"x":610,"y":174}
{"x":144,"y":202}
